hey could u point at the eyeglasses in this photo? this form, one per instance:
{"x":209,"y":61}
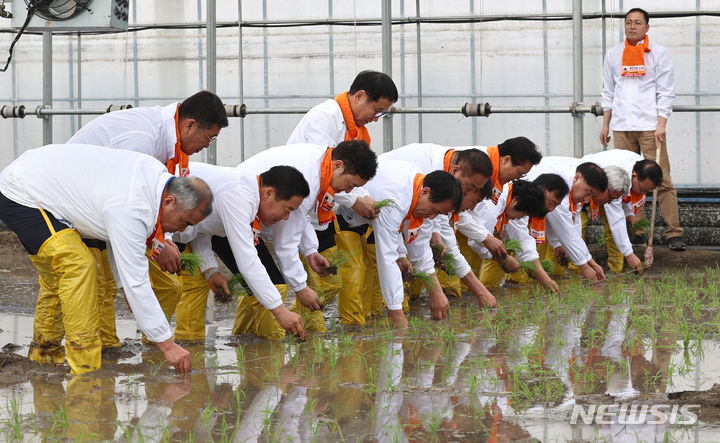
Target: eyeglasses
{"x":381,"y":114}
{"x":210,"y":139}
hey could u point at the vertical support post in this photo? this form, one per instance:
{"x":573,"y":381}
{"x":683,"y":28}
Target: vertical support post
{"x":387,"y":67}
{"x":419,"y":70}
{"x":546,"y":78}
{"x":402,"y":80}
{"x":266,"y":67}
{"x":241,"y":85}
{"x":211,"y":49}
{"x":71,"y":83}
{"x":136,"y":74}
{"x":331,"y":51}
{"x":79,"y":79}
{"x":698,"y":120}
{"x":473,"y":78}
{"x":604,"y":45}
{"x":47,"y":86}
{"x":577,"y":78}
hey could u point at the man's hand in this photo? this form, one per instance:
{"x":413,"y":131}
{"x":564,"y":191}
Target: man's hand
{"x":289,"y":321}
{"x":509,"y":264}
{"x":485,"y":298}
{"x":495,"y":246}
{"x":436,"y":239}
{"x":365,"y":207}
{"x":439,"y":305}
{"x":598,"y":270}
{"x":318,"y":263}
{"x":404,"y":265}
{"x":660,"y":132}
{"x":176,"y":390}
{"x":588,"y":272}
{"x":169,"y":258}
{"x":634,"y":262}
{"x":175,"y":354}
{"x":217,"y":281}
{"x":546,"y":281}
{"x":309,"y":298}
{"x":605,"y":135}
{"x":398,"y":318}
{"x":561,"y":256}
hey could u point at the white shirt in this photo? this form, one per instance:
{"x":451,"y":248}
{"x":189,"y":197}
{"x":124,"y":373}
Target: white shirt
{"x":430,"y":157}
{"x":235,"y":205}
{"x":294,"y":234}
{"x":394,"y":179}
{"x":325,"y":125}
{"x":616,"y":210}
{"x":106,"y":194}
{"x":636,"y":102}
{"x":486,"y":214}
{"x":561,"y":229}
{"x":149,"y":130}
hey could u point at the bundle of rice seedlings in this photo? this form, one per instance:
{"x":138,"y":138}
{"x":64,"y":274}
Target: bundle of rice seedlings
{"x":513,"y":245}
{"x":445,"y":261}
{"x":642,"y":224}
{"x":425,"y":278}
{"x":385,"y":203}
{"x":548,"y":265}
{"x":337,"y":259}
{"x":238,"y":286}
{"x":528,"y":266}
{"x":191,"y":262}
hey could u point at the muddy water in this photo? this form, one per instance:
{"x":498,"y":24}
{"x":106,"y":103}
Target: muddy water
{"x":517,"y":373}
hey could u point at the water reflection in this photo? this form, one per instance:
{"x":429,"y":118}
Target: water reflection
{"x":507,"y":375}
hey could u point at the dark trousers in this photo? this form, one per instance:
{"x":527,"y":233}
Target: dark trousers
{"x":28,"y":224}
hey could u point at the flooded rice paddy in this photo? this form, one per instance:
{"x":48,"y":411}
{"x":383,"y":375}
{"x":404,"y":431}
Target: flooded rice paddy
{"x":625,"y":360}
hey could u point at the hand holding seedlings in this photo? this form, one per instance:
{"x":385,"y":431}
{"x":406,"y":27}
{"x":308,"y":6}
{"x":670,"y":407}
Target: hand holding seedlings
{"x":169,"y":258}
{"x":190,"y":262}
{"x":443,"y":260}
{"x":365,"y":207}
{"x":318,"y":263}
{"x":237,"y":287}
{"x":337,"y":259}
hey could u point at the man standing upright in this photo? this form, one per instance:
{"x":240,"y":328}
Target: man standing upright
{"x":637,"y":96}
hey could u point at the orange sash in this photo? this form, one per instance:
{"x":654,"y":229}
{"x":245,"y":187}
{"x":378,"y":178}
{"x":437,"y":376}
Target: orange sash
{"x":637,"y":201}
{"x":633,"y":58}
{"x":455,"y":217}
{"x":573,"y":206}
{"x":536,"y":226}
{"x":594,"y":209}
{"x":156,"y":241}
{"x":180,"y":158}
{"x":326,"y":196}
{"x":502,"y":219}
{"x":353,"y":131}
{"x":415,"y":223}
{"x":494,"y":155}
{"x":256,"y":226}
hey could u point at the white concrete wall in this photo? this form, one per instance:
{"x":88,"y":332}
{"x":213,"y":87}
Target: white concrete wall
{"x":509,"y":67}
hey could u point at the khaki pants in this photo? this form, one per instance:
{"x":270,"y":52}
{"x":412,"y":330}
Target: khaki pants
{"x":643,"y":142}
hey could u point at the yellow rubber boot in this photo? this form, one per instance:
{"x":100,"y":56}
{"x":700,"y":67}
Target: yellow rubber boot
{"x":520,"y":277}
{"x":491,"y":274}
{"x":48,"y":329}
{"x":371,"y":293}
{"x":474,"y":260}
{"x":244,"y":322}
{"x":351,"y":299}
{"x":107,"y":289}
{"x":450,"y":284}
{"x":326,"y":287}
{"x":167,"y":288}
{"x":266,"y":325}
{"x":71,"y":273}
{"x":190,"y":310}
{"x":616,"y":260}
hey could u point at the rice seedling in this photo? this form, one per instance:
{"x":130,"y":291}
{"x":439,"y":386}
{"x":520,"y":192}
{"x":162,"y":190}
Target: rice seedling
{"x":13,"y":406}
{"x":385,"y":203}
{"x":336,"y":260}
{"x":426,"y":278}
{"x":641,"y":225}
{"x":191,"y":262}
{"x":444,"y":261}
{"x":512,"y":245}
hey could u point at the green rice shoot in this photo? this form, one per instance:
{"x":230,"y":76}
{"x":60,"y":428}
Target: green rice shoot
{"x":529,"y":266}
{"x":643,"y":224}
{"x":191,"y":262}
{"x":238,"y":286}
{"x":338,"y":258}
{"x":426,"y":278}
{"x":448,"y":262}
{"x":548,"y":265}
{"x":385,"y":203}
{"x":513,"y":245}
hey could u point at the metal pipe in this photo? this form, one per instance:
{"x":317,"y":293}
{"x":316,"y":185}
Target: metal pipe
{"x":546,"y":79}
{"x":472,"y":71}
{"x":242,"y":111}
{"x":71,"y":81}
{"x":578,"y":129}
{"x":241,"y":86}
{"x":387,"y":67}
{"x":698,"y":120}
{"x":419,"y":70}
{"x":211,"y":86}
{"x":403,"y":82}
{"x":136,"y":75}
{"x":79,"y":77}
{"x":47,"y":86}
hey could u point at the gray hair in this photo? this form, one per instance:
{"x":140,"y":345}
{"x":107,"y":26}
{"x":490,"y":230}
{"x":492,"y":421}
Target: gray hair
{"x":191,"y":192}
{"x":618,"y":179}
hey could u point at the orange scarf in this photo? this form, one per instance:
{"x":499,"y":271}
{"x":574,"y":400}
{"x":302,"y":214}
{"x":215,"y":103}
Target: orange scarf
{"x":156,"y":241}
{"x":455,"y":217}
{"x":256,"y":226}
{"x":326,"y":196}
{"x":536,"y":225}
{"x":502,"y":219}
{"x":415,"y":223}
{"x":637,"y":201}
{"x":353,"y":131}
{"x":494,"y":155}
{"x":180,"y":158}
{"x":633,"y":58}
